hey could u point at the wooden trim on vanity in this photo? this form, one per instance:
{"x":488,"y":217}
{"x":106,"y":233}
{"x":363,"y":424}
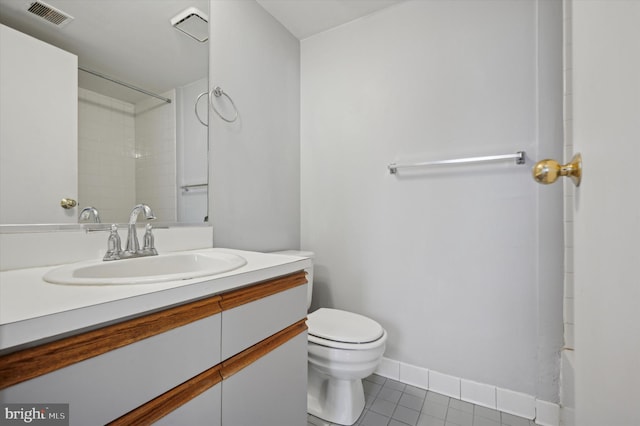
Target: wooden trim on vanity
{"x":171,"y":400}
{"x":257,"y":291}
{"x":29,"y":363}
{"x":257,"y":351}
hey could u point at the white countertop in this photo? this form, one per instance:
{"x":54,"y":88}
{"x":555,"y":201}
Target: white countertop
{"x":32,"y":309}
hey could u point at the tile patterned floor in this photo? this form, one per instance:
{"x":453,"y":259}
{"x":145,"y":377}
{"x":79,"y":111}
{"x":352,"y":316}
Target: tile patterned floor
{"x":391,"y":403}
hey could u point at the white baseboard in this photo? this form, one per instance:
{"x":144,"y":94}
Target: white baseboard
{"x":547,"y":413}
{"x":389,"y":368}
{"x":415,"y":376}
{"x":478,"y":393}
{"x":517,"y":403}
{"x":444,"y":384}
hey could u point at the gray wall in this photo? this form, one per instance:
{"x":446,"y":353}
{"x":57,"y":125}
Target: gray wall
{"x":462,"y":265}
{"x":254,"y":174}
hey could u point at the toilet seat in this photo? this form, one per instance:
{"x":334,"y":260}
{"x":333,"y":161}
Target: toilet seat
{"x":344,"y":330}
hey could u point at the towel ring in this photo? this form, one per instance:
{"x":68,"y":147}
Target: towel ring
{"x":217,"y":92}
{"x":196,"y":108}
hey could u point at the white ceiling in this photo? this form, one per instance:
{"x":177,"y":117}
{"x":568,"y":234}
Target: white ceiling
{"x":133,"y":41}
{"x":304,"y":18}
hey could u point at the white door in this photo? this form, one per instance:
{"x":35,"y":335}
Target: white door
{"x":38,"y":130}
{"x":606,"y":112}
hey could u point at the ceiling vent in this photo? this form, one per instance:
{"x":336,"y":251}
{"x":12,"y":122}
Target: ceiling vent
{"x":193,"y":23}
{"x":50,"y":13}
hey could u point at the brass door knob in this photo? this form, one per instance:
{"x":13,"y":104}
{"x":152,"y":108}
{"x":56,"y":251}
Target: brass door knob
{"x":548,"y":171}
{"x":68,"y":203}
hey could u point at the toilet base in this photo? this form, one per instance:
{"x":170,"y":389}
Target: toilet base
{"x":334,"y":400}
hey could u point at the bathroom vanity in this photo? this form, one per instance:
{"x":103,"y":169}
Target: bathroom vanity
{"x":229,"y":349}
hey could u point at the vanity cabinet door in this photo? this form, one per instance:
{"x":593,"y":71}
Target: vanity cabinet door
{"x":39,"y":131}
{"x":257,"y":312}
{"x":272,"y":390}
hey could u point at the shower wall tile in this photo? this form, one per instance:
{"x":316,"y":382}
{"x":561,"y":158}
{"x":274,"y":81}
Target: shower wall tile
{"x":122,"y":148}
{"x":155,"y":156}
{"x":105,"y":166}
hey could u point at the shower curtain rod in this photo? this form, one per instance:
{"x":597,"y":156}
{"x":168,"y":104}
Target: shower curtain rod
{"x":122,"y":83}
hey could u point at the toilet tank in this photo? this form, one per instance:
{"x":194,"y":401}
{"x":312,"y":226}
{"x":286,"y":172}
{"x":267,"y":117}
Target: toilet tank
{"x":309,"y":271}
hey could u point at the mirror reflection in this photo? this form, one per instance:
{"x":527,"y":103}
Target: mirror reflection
{"x":141,"y":67}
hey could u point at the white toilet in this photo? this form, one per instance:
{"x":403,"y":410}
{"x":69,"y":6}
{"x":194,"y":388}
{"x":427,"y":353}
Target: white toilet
{"x":344,"y":348}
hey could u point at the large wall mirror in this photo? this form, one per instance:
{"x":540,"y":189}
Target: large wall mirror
{"x":134,"y":145}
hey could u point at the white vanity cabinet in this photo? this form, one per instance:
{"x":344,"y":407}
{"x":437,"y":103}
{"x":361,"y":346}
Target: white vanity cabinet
{"x":265,"y":383}
{"x":102,"y":388}
{"x":38,"y":131}
{"x":270,"y":391}
{"x":201,"y":410}
{"x":252,"y":314}
{"x":167,"y":367}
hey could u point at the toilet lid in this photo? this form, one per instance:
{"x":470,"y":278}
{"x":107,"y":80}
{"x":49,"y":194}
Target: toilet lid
{"x":342,"y":326}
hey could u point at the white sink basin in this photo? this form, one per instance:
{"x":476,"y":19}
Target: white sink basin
{"x":145,"y":270}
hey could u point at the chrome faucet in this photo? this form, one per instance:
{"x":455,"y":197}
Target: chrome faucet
{"x":87,"y":213}
{"x":133,"y":246}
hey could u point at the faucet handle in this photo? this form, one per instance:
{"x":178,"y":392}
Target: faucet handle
{"x":148,"y":241}
{"x":114,"y":245}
